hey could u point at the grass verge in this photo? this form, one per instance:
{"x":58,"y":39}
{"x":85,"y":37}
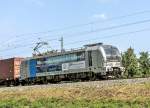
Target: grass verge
{"x":61,"y":103}
{"x":120,"y":96}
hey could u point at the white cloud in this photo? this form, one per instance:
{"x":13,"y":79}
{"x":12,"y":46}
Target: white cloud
{"x":100,"y":16}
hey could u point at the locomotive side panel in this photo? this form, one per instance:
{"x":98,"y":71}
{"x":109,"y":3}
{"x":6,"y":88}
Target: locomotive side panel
{"x":32,"y":68}
{"x":61,"y":64}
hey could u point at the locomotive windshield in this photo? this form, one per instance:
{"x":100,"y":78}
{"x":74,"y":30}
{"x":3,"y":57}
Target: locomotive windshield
{"x":112,"y":53}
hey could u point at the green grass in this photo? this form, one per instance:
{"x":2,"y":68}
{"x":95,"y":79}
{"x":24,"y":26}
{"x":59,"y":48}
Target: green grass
{"x":61,"y":103}
{"x":121,"y":96}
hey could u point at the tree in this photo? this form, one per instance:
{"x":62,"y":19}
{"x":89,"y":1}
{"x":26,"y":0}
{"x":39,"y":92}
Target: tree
{"x":144,"y":62}
{"x":130,"y":62}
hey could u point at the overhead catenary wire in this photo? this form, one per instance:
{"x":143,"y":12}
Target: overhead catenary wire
{"x":108,"y":28}
{"x":8,"y":43}
{"x":111,"y":36}
{"x":84,"y":24}
{"x":108,"y":36}
{"x":97,"y":30}
{"x":103,"y":29}
{"x":80,"y":33}
{"x":89,"y":23}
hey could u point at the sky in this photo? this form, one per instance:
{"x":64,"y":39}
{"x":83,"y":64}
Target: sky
{"x":23,"y":23}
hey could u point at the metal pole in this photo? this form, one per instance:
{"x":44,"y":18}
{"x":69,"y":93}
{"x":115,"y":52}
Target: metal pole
{"x":62,"y":44}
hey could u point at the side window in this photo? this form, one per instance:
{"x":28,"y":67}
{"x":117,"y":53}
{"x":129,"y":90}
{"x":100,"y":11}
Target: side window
{"x":80,"y":56}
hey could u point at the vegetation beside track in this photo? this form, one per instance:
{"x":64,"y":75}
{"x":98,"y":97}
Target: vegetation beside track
{"x":60,"y":103}
{"x":129,"y":95}
{"x":136,"y":67}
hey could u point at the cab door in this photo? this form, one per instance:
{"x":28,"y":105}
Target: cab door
{"x":90,"y":61}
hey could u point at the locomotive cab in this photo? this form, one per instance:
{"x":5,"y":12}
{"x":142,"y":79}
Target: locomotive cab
{"x":113,"y":63}
{"x":104,"y":60}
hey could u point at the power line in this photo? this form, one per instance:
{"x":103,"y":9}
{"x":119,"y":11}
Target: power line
{"x":108,"y":36}
{"x":86,"y":24}
{"x":104,"y":29}
{"x":97,"y":30}
{"x":22,"y":40}
{"x":109,"y":28}
{"x":89,"y":23}
{"x":30,"y":44}
{"x":111,"y":36}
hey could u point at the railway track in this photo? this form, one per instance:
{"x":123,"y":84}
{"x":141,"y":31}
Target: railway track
{"x":89,"y":84}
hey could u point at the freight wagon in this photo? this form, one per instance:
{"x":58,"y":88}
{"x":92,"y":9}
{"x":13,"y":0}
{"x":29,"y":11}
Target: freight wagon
{"x":10,"y":71}
{"x":91,"y":62}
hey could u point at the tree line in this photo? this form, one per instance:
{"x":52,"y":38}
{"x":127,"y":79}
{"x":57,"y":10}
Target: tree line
{"x":136,"y":66}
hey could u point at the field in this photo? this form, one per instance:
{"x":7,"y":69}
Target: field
{"x":84,"y":95}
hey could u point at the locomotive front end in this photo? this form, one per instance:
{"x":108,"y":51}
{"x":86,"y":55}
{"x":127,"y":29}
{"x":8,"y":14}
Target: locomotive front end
{"x":112,"y":64}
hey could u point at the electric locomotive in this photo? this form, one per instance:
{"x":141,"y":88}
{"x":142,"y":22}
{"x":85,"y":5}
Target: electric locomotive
{"x":93,"y":61}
